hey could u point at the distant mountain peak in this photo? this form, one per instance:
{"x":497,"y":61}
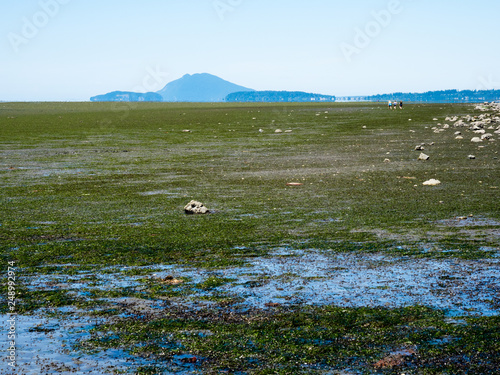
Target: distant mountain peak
{"x":199,"y":87}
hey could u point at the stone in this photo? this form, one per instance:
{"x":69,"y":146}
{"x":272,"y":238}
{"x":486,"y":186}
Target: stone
{"x":195,"y":207}
{"x":419,"y":148}
{"x":459,"y":137}
{"x":476,"y":140}
{"x":186,"y":131}
{"x":472,"y":157}
{"x":172,"y":280}
{"x":278,"y":131}
{"x":423,"y":157}
{"x":432,"y":182}
{"x":387,"y":160}
{"x":487,"y":136}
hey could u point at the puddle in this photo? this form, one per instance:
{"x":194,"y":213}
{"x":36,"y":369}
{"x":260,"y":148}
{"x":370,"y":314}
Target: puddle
{"x":461,"y":287}
{"x":354,"y":280}
{"x":459,"y":222}
{"x":158,"y":192}
{"x":44,"y":346}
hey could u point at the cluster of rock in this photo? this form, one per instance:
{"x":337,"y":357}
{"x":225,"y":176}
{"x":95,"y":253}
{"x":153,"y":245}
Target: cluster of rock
{"x":484,"y":127}
{"x":421,"y":147}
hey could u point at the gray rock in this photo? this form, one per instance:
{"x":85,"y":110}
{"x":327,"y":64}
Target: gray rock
{"x":472,"y":157}
{"x":195,"y":207}
{"x":476,"y":140}
{"x":423,"y":157}
{"x":432,"y":182}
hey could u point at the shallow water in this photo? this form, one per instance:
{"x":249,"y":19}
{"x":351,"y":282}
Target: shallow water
{"x":287,"y":277}
{"x":44,"y":347}
{"x":463,"y":287}
{"x":353,"y":280}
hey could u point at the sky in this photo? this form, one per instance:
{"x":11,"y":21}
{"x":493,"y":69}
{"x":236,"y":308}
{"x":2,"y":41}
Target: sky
{"x":70,"y":50}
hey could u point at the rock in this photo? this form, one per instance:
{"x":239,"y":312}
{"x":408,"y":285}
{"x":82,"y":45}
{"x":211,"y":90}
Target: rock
{"x":294,"y":184}
{"x":395,"y":359}
{"x":423,"y":157}
{"x":435,"y":119}
{"x":387,"y":160}
{"x":472,"y":157}
{"x":487,"y":136}
{"x":476,"y":140}
{"x":195,"y":207}
{"x":288,"y":131}
{"x":172,"y":280}
{"x":419,"y":148}
{"x":186,"y":131}
{"x":278,"y":131}
{"x":432,"y":182}
{"x":458,"y":133}
{"x":272,"y":304}
{"x":459,"y":137}
{"x":261,"y":131}
{"x":477,"y":125}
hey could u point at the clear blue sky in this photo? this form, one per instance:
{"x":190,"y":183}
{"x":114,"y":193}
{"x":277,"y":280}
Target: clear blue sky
{"x":74,"y":49}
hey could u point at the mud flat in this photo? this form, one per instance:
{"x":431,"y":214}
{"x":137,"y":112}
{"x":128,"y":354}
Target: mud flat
{"x":323,"y":253}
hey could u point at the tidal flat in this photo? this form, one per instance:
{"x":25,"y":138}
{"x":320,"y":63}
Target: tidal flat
{"x":323,"y":251}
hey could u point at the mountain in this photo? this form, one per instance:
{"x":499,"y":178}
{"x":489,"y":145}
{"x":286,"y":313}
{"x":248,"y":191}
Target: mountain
{"x":125,"y":96}
{"x":202,"y":87}
{"x":277,"y":96}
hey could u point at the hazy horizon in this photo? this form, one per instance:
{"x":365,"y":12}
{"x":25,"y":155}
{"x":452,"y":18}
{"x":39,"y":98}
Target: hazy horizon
{"x":70,"y":50}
